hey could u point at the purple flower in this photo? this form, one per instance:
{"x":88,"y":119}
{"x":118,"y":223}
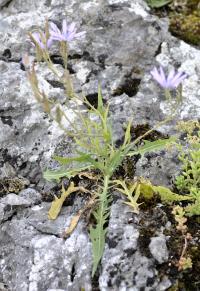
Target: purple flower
{"x":38,"y":39}
{"x":171,"y":81}
{"x":68,"y":32}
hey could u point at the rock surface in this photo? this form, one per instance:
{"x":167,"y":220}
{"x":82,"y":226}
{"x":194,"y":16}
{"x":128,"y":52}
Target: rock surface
{"x":41,"y":259}
{"x":123,"y":42}
{"x":123,"y":265}
{"x":158,"y":249}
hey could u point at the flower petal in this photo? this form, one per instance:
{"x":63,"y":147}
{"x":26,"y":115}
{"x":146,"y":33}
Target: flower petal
{"x":70,"y":36}
{"x":172,"y":81}
{"x":177,"y":82}
{"x":157,"y":76}
{"x":64,"y":27}
{"x":54,"y":28}
{"x":36,"y":36}
{"x":163,"y":78}
{"x":49,"y":42}
{"x":170,"y":76}
{"x":72,"y":27}
{"x":68,"y":32}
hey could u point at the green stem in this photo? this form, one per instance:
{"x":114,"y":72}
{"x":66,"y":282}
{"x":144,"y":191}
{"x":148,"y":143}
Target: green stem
{"x":103,"y":199}
{"x":168,"y":95}
{"x":98,"y":233}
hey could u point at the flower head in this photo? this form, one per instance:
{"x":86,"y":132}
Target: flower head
{"x":67,"y":33}
{"x":171,"y":81}
{"x":38,"y":38}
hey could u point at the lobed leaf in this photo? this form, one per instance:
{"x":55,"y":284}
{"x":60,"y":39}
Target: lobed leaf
{"x":50,"y":175}
{"x":97,"y":236}
{"x":168,"y":196}
{"x":150,"y":146}
{"x":64,"y":160}
{"x":127,"y":137}
{"x":56,"y":205}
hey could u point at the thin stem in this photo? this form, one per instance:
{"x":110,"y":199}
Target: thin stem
{"x":70,"y":122}
{"x":168,"y":95}
{"x":64,"y":53}
{"x":184,"y":247}
{"x":51,"y":65}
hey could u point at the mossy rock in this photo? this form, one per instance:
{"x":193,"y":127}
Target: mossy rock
{"x":185,"y":20}
{"x":186,"y":27}
{"x":12,"y":185}
{"x":184,"y":6}
{"x":193,"y":5}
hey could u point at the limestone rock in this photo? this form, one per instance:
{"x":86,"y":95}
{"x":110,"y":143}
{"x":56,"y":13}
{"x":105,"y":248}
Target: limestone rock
{"x":43,"y":261}
{"x":159,"y":249}
{"x":123,"y":42}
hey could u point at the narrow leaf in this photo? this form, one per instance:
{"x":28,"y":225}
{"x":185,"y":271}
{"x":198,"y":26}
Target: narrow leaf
{"x":168,"y":196}
{"x":57,"y":175}
{"x":193,"y":209}
{"x":152,"y":146}
{"x":73,"y":224}
{"x":100,"y":100}
{"x":97,"y":236}
{"x":127,"y":137}
{"x":56,"y":205}
{"x":64,"y":160}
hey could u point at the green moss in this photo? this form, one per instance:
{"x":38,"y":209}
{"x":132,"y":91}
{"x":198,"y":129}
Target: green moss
{"x":192,"y":4}
{"x":187,"y":27}
{"x":185,"y":21}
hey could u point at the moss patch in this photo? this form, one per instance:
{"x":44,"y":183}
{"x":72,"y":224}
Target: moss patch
{"x":185,"y":20}
{"x":186,"y":27}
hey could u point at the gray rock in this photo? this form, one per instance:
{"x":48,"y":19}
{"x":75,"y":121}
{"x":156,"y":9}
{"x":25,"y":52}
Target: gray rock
{"x":121,"y":114}
{"x":123,"y":265}
{"x":186,"y":56}
{"x":158,"y":248}
{"x":26,"y":132}
{"x":149,"y":105}
{"x":10,"y":203}
{"x":159,"y":167}
{"x":164,"y":284}
{"x":31,"y":194}
{"x":42,"y":261}
{"x":120,"y":69}
{"x":3,"y":2}
{"x":120,"y":48}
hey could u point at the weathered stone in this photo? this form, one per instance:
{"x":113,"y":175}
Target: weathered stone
{"x":10,"y":204}
{"x":122,"y":43}
{"x":43,"y":261}
{"x":31,"y":194}
{"x":160,"y":167}
{"x":116,"y":66}
{"x":123,"y":265}
{"x":158,"y":248}
{"x":26,"y":132}
{"x":3,"y":2}
{"x":150,"y":101}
